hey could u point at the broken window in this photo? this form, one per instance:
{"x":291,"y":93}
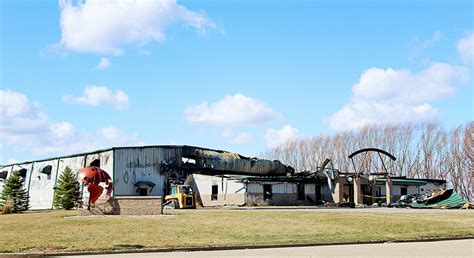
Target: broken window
{"x":267,"y":192}
{"x":3,"y":175}
{"x":96,"y":163}
{"x":47,"y":170}
{"x":215,"y":192}
{"x":300,"y":192}
{"x":22,"y":172}
{"x":403,"y":190}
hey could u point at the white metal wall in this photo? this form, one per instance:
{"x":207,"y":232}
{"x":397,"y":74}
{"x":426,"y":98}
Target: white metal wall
{"x":141,"y":164}
{"x":8,"y":169}
{"x":28,"y":167}
{"x":396,"y":189}
{"x":41,"y":186}
{"x":225,"y":185}
{"x":277,"y":188}
{"x":229,"y":191}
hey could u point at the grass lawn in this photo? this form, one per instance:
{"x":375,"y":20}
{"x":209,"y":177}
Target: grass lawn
{"x":56,"y":231}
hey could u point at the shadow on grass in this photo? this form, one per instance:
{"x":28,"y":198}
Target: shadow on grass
{"x":129,"y":246}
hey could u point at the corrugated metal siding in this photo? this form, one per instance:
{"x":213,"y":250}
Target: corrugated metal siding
{"x":225,"y":185}
{"x":142,"y":164}
{"x":78,"y":162}
{"x":74,"y":163}
{"x":309,"y":189}
{"x":230,"y":191}
{"x":41,"y":186}
{"x":8,"y":169}
{"x":28,"y":167}
{"x":254,"y":188}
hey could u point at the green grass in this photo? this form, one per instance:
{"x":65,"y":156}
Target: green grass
{"x":56,"y":232}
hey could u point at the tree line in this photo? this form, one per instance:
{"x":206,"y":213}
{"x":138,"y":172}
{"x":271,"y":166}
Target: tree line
{"x":422,"y":151}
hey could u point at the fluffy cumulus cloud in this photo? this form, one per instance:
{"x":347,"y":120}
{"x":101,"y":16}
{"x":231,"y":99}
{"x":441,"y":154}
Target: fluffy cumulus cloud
{"x":19,"y":117}
{"x":100,"y":95}
{"x":235,"y":110}
{"x":465,"y":48}
{"x":103,"y":64}
{"x":384,"y":96}
{"x":105,"y":27}
{"x":277,"y":137}
{"x":24,"y":127}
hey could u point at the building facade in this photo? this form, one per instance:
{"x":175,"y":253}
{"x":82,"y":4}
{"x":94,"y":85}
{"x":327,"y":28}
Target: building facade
{"x":128,"y":167}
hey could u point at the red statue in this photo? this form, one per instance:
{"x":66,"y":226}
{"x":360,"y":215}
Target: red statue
{"x":96,"y":180}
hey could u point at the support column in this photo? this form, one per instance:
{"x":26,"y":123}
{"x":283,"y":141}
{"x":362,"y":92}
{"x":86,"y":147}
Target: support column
{"x":388,"y":190}
{"x":357,"y":191}
{"x":338,"y":193}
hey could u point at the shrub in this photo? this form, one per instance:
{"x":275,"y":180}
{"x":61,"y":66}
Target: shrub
{"x":14,"y":195}
{"x":66,"y":190}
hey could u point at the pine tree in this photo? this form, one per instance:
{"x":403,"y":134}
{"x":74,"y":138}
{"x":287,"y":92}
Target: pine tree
{"x":66,"y":190}
{"x":14,"y":193}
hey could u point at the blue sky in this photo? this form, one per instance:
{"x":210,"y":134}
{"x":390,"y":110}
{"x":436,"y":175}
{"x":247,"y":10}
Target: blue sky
{"x":235,"y":75}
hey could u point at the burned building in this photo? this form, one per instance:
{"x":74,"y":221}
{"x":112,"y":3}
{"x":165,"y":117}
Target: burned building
{"x":138,"y":173}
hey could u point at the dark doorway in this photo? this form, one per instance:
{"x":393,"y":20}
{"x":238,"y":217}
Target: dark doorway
{"x":267,"y":192}
{"x":351,"y":192}
{"x":318,"y":192}
{"x":215,"y":192}
{"x":143,"y":191}
{"x":300,"y":192}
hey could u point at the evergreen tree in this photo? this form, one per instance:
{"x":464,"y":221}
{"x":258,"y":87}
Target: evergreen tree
{"x":66,"y":190}
{"x":14,"y":193}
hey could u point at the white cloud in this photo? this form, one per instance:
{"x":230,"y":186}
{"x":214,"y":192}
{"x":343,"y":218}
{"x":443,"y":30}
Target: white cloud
{"x":24,"y":127}
{"x":103,"y":64}
{"x":104,"y":27}
{"x":63,"y":130}
{"x":235,"y":110}
{"x":70,"y":140}
{"x":465,"y":48}
{"x":100,"y":95}
{"x":19,"y":118}
{"x":275,"y":138}
{"x":384,"y":96}
{"x":236,"y":138}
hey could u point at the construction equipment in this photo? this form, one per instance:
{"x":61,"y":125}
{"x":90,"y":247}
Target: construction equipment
{"x":181,"y":197}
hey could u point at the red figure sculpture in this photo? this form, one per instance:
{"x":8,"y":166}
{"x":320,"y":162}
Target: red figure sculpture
{"x":96,"y":180}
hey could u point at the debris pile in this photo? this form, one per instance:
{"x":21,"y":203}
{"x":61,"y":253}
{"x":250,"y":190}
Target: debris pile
{"x":444,"y":199}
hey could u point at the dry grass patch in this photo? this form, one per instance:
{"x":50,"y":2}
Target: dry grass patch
{"x":64,"y":231}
